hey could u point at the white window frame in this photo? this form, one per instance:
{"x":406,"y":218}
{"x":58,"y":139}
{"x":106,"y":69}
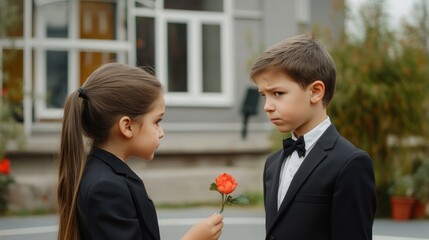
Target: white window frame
{"x":303,"y":11}
{"x":73,"y":45}
{"x":195,"y":20}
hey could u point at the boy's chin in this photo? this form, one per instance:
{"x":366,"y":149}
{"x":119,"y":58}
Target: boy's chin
{"x":283,"y":129}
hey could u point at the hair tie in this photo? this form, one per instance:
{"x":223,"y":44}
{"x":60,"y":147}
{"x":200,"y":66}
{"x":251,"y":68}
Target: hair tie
{"x":82,"y":93}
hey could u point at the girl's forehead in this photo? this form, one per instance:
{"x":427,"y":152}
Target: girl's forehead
{"x":159,"y":105}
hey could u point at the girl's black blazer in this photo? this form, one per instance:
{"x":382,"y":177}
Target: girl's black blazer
{"x":112,"y":201}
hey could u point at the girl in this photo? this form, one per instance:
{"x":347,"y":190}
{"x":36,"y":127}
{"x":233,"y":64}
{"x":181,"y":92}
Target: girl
{"x":118,"y":109}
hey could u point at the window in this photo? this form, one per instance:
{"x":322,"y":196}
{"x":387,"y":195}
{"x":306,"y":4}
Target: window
{"x":54,"y":19}
{"x":145,"y":41}
{"x":211,"y":56}
{"x":56,"y":78}
{"x":71,"y":39}
{"x":187,"y":43}
{"x":195,"y":5}
{"x":177,"y":55}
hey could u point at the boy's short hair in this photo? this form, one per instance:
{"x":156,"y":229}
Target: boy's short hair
{"x":304,"y":59}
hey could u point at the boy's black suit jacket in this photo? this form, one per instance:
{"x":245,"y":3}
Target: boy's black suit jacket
{"x":331,"y":197}
{"x":112,"y":201}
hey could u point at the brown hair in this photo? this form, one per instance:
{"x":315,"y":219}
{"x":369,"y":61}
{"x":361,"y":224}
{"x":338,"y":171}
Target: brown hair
{"x":304,"y":59}
{"x":110,"y":92}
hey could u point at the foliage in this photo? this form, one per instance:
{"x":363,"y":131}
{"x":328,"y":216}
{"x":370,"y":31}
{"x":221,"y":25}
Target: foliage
{"x":275,"y":138}
{"x":5,"y":181}
{"x":402,"y":186}
{"x":421,"y":181}
{"x":11,"y":92}
{"x":10,"y":16}
{"x":10,"y":130}
{"x":381,"y":92}
{"x":256,"y":198}
{"x":418,"y":28}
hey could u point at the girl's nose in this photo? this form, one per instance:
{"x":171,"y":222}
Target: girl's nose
{"x":161,"y":132}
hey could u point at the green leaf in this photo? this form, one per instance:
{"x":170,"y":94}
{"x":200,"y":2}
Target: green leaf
{"x":240,"y":200}
{"x":213,"y":187}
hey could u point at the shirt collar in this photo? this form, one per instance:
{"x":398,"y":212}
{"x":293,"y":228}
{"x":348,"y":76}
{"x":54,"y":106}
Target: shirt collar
{"x":314,"y":134}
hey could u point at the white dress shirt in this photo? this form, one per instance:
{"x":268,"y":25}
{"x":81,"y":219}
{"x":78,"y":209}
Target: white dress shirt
{"x":292,"y":163}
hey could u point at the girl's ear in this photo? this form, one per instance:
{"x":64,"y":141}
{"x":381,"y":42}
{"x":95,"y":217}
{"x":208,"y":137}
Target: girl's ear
{"x":317,"y":89}
{"x":125,"y":127}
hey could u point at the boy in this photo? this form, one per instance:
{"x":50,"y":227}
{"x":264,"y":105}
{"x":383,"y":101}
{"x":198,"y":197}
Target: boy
{"x":319,"y":186}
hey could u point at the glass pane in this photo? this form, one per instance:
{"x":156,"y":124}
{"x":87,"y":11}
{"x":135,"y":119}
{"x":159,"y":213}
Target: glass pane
{"x":145,"y":3}
{"x":89,"y":61}
{"x":11,"y":12}
{"x":177,"y":57}
{"x":97,"y":20}
{"x":56,"y":78}
{"x":145,"y":41}
{"x":55,"y":16}
{"x":211,"y":58}
{"x":196,"y":5}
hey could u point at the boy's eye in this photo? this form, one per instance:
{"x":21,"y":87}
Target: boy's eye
{"x":159,"y":120}
{"x":277,"y":94}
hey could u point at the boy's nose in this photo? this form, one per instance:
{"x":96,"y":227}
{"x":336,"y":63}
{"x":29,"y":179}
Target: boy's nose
{"x":268,"y":107}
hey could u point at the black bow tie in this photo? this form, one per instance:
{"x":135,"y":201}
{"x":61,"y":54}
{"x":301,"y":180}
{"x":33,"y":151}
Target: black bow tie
{"x":290,"y":145}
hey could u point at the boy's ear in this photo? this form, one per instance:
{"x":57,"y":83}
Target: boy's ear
{"x":317,"y":89}
{"x":125,"y":126}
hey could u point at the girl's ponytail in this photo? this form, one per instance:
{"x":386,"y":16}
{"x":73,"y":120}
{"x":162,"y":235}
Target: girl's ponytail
{"x":72,"y":160}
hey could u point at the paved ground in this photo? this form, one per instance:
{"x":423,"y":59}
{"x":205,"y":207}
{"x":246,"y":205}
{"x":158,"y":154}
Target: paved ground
{"x":240,"y":223}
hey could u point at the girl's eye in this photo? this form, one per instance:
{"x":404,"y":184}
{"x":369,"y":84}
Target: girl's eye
{"x":277,"y":94}
{"x":159,"y":120}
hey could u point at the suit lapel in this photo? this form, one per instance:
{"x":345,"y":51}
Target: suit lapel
{"x":310,"y":163}
{"x":142,"y":201}
{"x":314,"y":158}
{"x":272,"y":192}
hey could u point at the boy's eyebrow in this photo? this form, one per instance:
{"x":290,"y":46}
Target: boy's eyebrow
{"x":269,"y":88}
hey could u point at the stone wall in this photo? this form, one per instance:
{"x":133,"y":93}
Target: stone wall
{"x":169,"y":178}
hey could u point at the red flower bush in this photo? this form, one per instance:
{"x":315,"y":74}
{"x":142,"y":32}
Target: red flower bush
{"x":5,"y":166}
{"x":226,"y":184}
{"x":5,"y":181}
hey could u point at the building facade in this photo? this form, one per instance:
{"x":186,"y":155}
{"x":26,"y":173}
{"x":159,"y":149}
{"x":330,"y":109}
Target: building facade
{"x":201,"y":51}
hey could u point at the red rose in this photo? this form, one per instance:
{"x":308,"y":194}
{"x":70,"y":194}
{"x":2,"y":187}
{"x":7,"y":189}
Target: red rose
{"x":5,"y":166}
{"x":226,"y":183}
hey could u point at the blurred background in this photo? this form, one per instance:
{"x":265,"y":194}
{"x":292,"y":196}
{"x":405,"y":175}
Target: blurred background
{"x":201,"y":50}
